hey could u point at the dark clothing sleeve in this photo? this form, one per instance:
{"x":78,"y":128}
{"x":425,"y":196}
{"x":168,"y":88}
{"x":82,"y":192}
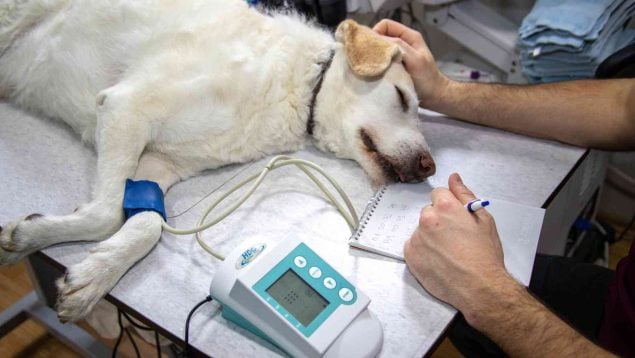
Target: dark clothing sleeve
{"x":617,"y":331}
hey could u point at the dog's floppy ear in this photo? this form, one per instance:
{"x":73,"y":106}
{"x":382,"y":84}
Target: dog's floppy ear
{"x":367,"y":53}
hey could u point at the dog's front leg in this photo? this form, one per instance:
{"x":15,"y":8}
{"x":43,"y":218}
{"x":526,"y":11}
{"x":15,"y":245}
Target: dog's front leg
{"x":87,"y":282}
{"x":121,"y":136}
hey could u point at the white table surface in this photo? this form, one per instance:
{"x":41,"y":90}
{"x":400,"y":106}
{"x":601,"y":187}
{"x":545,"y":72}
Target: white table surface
{"x":46,"y":169}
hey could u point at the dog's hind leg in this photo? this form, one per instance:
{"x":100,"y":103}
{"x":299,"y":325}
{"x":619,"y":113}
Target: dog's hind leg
{"x":120,"y":140}
{"x":87,"y":282}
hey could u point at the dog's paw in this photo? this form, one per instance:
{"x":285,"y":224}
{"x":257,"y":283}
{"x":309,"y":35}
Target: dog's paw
{"x":6,"y":257}
{"x":12,"y":236}
{"x":6,"y":237}
{"x":84,"y":285}
{"x":13,"y":244}
{"x":10,"y":258}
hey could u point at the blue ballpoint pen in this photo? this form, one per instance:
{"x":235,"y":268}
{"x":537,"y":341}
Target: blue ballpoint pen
{"x":476,"y":204}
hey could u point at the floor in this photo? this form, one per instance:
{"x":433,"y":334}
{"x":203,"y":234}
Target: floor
{"x":31,"y":340}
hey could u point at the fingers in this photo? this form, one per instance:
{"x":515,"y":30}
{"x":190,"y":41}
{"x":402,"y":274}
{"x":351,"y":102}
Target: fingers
{"x":384,"y":27}
{"x":459,"y":190}
{"x":403,"y":44}
{"x":410,"y":57}
{"x":392,"y":28}
{"x":443,"y":199}
{"x":457,"y":195}
{"x":427,"y":217}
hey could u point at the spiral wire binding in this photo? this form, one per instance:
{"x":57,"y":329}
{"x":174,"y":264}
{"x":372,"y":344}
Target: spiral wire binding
{"x":368,"y":212}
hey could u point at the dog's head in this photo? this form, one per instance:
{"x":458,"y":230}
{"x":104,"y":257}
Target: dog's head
{"x":367,"y":109}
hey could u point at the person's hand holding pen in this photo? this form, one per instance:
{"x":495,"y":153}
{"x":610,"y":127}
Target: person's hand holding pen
{"x":456,"y":254}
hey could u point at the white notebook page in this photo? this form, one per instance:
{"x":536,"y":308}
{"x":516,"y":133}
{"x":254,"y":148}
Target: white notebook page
{"x":393,"y":214}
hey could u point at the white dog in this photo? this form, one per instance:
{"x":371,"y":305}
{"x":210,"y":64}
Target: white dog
{"x":165,"y":89}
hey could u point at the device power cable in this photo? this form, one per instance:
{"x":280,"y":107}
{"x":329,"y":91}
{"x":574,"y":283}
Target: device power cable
{"x":134,"y":343}
{"x":275,"y":163}
{"x":123,"y":330}
{"x":186,"y":352}
{"x":148,"y":329}
{"x":119,"y":337}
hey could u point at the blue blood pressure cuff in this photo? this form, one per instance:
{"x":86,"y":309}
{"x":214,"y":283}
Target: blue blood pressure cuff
{"x":142,"y":195}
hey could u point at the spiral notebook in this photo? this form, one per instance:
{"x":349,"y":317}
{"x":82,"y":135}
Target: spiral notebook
{"x":392,"y":215}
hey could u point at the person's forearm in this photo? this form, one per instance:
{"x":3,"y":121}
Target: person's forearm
{"x":522,"y":326}
{"x":594,"y":113}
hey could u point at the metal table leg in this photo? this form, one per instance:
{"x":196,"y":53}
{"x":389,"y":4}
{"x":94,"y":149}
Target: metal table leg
{"x":34,"y":306}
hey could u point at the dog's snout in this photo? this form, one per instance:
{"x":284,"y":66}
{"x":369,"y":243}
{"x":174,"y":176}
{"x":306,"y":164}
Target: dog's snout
{"x":426,"y":166}
{"x":417,"y":169}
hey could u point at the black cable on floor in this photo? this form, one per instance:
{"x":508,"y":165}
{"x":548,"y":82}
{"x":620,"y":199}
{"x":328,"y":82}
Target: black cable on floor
{"x":116,"y":347}
{"x":134,"y":344}
{"x":158,"y":343}
{"x":137,"y":325}
{"x":156,"y":334}
{"x":186,"y":352}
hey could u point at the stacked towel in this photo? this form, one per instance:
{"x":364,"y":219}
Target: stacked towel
{"x":567,"y":39}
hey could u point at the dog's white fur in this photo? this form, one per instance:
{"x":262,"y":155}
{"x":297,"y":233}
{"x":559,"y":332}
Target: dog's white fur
{"x":165,"y":89}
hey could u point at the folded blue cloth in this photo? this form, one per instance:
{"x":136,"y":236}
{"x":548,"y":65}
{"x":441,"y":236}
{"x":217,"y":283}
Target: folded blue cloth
{"x":590,"y":53}
{"x":575,"y":17}
{"x":620,"y":12}
{"x":553,"y":37}
{"x":568,"y":39}
{"x":563,"y":64}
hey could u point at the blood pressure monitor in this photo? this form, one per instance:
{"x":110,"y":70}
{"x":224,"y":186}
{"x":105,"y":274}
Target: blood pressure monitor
{"x":290,"y":296}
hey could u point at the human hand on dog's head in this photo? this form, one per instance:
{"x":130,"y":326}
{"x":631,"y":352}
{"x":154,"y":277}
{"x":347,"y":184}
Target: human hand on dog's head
{"x":428,"y":80}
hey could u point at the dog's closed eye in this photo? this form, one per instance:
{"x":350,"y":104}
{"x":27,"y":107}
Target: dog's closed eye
{"x":402,"y":99}
{"x":367,"y":140}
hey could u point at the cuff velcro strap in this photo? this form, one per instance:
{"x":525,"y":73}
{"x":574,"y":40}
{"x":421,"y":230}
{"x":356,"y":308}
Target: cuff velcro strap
{"x":142,"y":195}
